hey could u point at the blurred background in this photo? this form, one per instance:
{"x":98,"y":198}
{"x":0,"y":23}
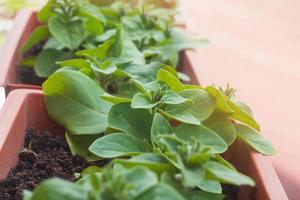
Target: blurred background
{"x":255,"y":46}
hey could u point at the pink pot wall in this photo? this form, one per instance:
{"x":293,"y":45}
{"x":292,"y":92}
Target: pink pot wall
{"x":10,"y":54}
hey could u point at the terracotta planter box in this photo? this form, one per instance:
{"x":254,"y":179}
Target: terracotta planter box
{"x":25,"y":109}
{"x":10,"y":55}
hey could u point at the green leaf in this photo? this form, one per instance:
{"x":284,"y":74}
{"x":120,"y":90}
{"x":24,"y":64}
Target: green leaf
{"x":242,"y":116}
{"x":130,"y":51}
{"x":153,"y":87}
{"x":70,"y":33}
{"x":183,"y":77}
{"x":171,"y":179}
{"x":142,"y":87}
{"x":104,"y":69}
{"x":107,"y":35}
{"x":46,"y":12}
{"x":126,"y":89}
{"x":27,"y":195}
{"x":114,"y":99}
{"x":153,"y":161}
{"x":244,"y":107}
{"x":53,"y":43}
{"x":143,"y":73}
{"x":204,"y":103}
{"x":182,"y":40}
{"x":201,"y":195}
{"x":136,"y":27}
{"x":160,"y":126}
{"x":90,"y":170}
{"x":142,"y":101}
{"x":186,"y":112}
{"x":136,"y":122}
{"x":91,"y":11}
{"x":117,"y":145}
{"x":93,"y":182}
{"x":88,"y":72}
{"x":222,"y":161}
{"x":72,"y":100}
{"x":39,"y":34}
{"x":180,"y":114}
{"x":140,"y":179}
{"x":210,"y":186}
{"x":191,"y":86}
{"x":118,"y":46}
{"x":78,"y":63}
{"x":28,"y":62}
{"x":99,"y":52}
{"x":168,"y":49}
{"x":93,"y":26}
{"x":161,"y":191}
{"x":59,"y":189}
{"x":171,"y":145}
{"x":227,"y":175}
{"x":195,"y":177}
{"x":223,"y":127}
{"x":172,"y":142}
{"x":46,"y":61}
{"x":203,"y":135}
{"x":79,"y":144}
{"x":254,"y":139}
{"x":170,"y":80}
{"x":221,"y":103}
{"x":173,"y":98}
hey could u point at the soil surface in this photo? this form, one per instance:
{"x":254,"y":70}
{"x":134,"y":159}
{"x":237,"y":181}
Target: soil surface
{"x":28,"y":76}
{"x":45,"y":155}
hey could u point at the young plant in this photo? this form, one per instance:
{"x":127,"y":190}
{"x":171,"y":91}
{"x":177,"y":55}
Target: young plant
{"x":140,"y":128}
{"x":69,"y":25}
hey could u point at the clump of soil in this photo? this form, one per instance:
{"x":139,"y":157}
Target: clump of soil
{"x":45,"y":155}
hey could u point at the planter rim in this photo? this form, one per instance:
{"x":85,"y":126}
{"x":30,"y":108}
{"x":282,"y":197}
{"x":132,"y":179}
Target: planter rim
{"x":11,"y":45}
{"x":10,"y":110}
{"x":267,"y":177}
{"x":266,"y":171}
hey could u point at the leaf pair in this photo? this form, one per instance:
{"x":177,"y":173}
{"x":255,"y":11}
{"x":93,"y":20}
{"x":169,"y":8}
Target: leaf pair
{"x":221,"y":122}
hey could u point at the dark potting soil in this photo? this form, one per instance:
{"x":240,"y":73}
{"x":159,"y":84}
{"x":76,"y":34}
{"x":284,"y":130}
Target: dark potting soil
{"x":45,"y":155}
{"x":27,"y":74}
{"x":230,"y":192}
